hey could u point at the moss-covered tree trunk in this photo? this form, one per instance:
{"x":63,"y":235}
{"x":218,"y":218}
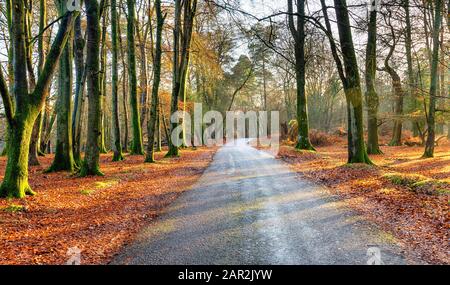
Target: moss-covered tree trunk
{"x":349,"y":74}
{"x":298,"y":33}
{"x":92,"y":157}
{"x":80,"y":81}
{"x":399,"y":93}
{"x":21,"y":117}
{"x":154,"y":111}
{"x":182,"y":42}
{"x":117,"y":145}
{"x":64,"y":160}
{"x":10,"y":68}
{"x":35,"y":150}
{"x":124,"y":85}
{"x":372,"y":99}
{"x":176,"y":80}
{"x":158,"y":132}
{"x":103,"y":64}
{"x":430,"y":143}
{"x":137,"y":147}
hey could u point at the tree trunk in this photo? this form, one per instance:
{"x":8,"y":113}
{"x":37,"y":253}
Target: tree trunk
{"x":154,"y":112}
{"x":36,"y":134}
{"x":372,"y":99}
{"x":117,"y":145}
{"x":92,"y":156}
{"x":303,"y":141}
{"x":80,"y":71}
{"x":182,"y":40}
{"x":430,"y":143}
{"x":124,"y":87}
{"x":137,"y":145}
{"x":64,"y":160}
{"x":15,"y":182}
{"x":351,"y":81}
{"x":103,"y":86}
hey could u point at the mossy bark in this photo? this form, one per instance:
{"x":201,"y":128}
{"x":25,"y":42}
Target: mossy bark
{"x":372,"y":99}
{"x":21,"y":118}
{"x":137,"y":147}
{"x":176,"y":80}
{"x":430,"y":143}
{"x":103,"y":59}
{"x":124,"y":89}
{"x":298,"y":33}
{"x":154,"y":111}
{"x":349,"y":74}
{"x":117,"y":145}
{"x":80,"y":82}
{"x":92,"y":157}
{"x":182,"y":41}
{"x":64,"y":160}
{"x":15,"y":182}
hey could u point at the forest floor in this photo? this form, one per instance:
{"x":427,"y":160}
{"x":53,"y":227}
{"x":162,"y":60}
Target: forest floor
{"x":404,"y":194}
{"x":96,"y":215}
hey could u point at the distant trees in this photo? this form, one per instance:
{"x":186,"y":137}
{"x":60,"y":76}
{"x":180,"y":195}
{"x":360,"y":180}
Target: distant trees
{"x":294,"y":62}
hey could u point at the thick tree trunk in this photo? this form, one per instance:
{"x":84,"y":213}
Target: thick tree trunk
{"x":28,"y":106}
{"x":15,"y":183}
{"x":430,"y":143}
{"x":154,"y":112}
{"x":137,"y":147}
{"x":92,"y":156}
{"x":372,"y":99}
{"x":117,"y":145}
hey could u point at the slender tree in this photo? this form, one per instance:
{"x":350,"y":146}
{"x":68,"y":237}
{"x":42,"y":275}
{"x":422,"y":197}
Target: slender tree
{"x":137,"y":144}
{"x":430,"y":143}
{"x":298,"y":33}
{"x":117,"y":145}
{"x":182,"y":36}
{"x":35,"y":150}
{"x":103,"y":65}
{"x":80,"y":82}
{"x":349,"y":74}
{"x":64,"y":160}
{"x":22,"y":115}
{"x":372,"y":99}
{"x":124,"y":85}
{"x":154,"y":111}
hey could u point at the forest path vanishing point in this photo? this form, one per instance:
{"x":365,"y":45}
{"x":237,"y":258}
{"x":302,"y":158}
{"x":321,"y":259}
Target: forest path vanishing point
{"x":250,"y":208}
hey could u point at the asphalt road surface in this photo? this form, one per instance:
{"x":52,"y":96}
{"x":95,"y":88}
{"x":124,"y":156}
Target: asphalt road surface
{"x":250,"y":209}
